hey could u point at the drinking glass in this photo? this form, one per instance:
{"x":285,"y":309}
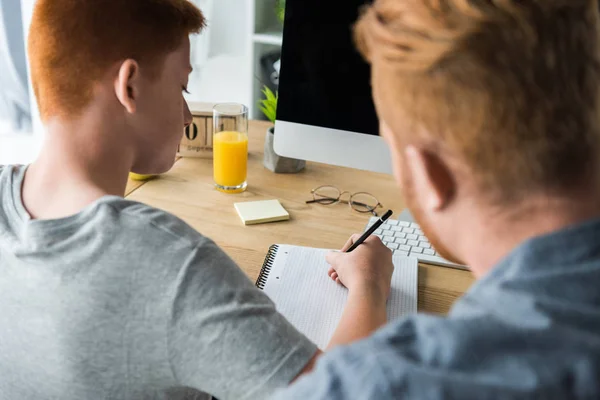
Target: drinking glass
{"x":230,"y":147}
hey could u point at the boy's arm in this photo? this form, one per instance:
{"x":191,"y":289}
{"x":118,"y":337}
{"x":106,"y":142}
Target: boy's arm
{"x":224,"y":336}
{"x":367,"y":273}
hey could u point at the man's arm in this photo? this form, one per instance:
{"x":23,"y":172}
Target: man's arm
{"x":363,"y":314}
{"x":367,"y":273}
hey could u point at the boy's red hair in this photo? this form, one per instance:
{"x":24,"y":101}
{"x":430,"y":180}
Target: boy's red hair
{"x":73,"y":43}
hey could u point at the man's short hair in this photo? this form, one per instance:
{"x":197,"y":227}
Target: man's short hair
{"x":510,"y":88}
{"x":73,"y":43}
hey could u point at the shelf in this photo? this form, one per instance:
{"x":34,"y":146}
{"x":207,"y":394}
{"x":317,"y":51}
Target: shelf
{"x":274,"y":38}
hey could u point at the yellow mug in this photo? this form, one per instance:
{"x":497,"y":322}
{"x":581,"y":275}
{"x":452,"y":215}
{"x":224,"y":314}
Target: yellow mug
{"x":139,"y":177}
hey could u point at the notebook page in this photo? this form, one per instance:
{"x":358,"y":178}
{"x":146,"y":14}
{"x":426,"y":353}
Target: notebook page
{"x":300,"y":288}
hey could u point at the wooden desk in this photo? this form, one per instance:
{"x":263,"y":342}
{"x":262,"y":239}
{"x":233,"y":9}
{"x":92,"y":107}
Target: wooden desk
{"x":132,"y":186}
{"x":187,"y":191}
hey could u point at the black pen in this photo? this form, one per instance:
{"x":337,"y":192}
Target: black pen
{"x":370,"y":231}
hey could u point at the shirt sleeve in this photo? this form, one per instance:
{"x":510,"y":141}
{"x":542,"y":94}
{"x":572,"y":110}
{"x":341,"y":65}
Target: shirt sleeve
{"x":391,"y":364}
{"x":225,"y":335}
{"x":428,"y":357}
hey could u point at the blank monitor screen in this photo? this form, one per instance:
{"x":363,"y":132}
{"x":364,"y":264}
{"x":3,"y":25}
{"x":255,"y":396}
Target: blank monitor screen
{"x":324,"y":81}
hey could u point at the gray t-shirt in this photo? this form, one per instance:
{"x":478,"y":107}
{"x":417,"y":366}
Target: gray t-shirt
{"x":530,"y":329}
{"x":123,"y":301}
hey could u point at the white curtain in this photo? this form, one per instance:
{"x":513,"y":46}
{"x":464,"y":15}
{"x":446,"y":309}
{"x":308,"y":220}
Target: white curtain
{"x":22,"y":148}
{"x":15,"y":113}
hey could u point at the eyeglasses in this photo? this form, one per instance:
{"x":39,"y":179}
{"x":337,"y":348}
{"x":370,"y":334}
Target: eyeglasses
{"x":362,"y":202}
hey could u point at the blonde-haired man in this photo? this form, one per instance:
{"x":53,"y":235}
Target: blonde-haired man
{"x":491,"y":109}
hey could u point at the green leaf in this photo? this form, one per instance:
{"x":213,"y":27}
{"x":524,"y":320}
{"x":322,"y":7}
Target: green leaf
{"x":270,"y":114}
{"x":268,"y":105}
{"x":280,"y":10}
{"x":269,"y":94}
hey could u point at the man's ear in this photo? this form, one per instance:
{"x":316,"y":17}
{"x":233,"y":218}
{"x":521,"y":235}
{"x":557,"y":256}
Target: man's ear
{"x":127,"y":85}
{"x":433,"y":180}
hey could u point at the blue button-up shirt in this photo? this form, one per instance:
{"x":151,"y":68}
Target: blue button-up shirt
{"x":530,"y":329}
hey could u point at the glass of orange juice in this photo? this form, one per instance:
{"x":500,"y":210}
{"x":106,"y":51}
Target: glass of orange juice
{"x":230,"y":147}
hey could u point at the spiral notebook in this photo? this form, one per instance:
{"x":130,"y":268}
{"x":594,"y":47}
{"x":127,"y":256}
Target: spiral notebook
{"x":296,"y":279}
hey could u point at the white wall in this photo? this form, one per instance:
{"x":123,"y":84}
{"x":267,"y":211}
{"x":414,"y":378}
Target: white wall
{"x":23,"y":149}
{"x":228,"y":25}
{"x":223,"y":75}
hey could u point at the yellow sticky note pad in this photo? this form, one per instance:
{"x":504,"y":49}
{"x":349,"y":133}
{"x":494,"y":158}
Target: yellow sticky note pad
{"x":260,"y":212}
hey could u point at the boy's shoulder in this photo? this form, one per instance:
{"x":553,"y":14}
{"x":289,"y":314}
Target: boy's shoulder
{"x":133,"y":226}
{"x":140,"y":219}
{"x":6,"y":169}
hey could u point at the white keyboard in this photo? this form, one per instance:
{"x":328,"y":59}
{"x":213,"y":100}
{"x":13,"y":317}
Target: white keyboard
{"x":404,"y":237}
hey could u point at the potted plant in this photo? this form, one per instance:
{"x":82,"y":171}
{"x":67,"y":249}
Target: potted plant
{"x":273,"y":162}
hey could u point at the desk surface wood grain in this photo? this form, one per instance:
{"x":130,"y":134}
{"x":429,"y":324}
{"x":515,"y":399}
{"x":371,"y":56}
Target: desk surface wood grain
{"x":132,"y":186}
{"x":187,"y":191}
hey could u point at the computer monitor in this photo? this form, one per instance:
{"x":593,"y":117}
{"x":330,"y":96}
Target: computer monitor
{"x":325,"y":111}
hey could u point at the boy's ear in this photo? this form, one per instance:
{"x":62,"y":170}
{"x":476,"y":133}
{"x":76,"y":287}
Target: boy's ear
{"x":127,"y":85}
{"x":433,"y":180}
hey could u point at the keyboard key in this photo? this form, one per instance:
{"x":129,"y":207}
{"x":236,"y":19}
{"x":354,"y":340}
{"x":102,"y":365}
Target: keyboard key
{"x":416,"y":250}
{"x":413,"y":243}
{"x":418,"y":232}
{"x":408,"y":230}
{"x":428,"y":256}
{"x":388,"y":239}
{"x":393,"y":246}
{"x":392,"y":221}
{"x":379,"y":231}
{"x":412,"y":236}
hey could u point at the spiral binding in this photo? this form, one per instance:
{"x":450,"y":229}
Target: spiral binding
{"x":266,"y":268}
